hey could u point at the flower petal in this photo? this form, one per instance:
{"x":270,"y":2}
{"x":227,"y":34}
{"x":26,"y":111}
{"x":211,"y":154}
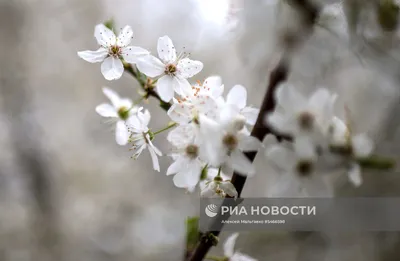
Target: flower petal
{"x":113,"y":96}
{"x":132,"y":54}
{"x":150,"y":66}
{"x":105,"y":37}
{"x":354,"y":175}
{"x":189,"y":177}
{"x":249,"y":143}
{"x":125,"y":36}
{"x":180,"y":113}
{"x":237,"y":96}
{"x":304,"y":147}
{"x":283,"y":158}
{"x":165,"y":88}
{"x":215,"y":85}
{"x":289,"y":98}
{"x":121,"y":133}
{"x":362,"y":145}
{"x":166,"y":50}
{"x":181,"y":85}
{"x":188,"y":68}
{"x":322,"y":103}
{"x":239,"y":162}
{"x":250,"y":114}
{"x":106,"y":110}
{"x":154,"y":159}
{"x":112,"y":68}
{"x":94,"y":56}
{"x":242,"y":257}
{"x":176,"y":166}
{"x":144,"y":117}
{"x":229,"y":245}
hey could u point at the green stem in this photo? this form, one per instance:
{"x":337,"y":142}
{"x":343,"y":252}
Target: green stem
{"x":166,"y":128}
{"x":219,"y":172}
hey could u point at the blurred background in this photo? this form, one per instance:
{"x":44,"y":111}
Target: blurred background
{"x":69,"y":192}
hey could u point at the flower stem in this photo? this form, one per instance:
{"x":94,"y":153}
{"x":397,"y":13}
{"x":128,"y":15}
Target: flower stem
{"x":166,"y":128}
{"x":219,"y":172}
{"x":149,"y":91}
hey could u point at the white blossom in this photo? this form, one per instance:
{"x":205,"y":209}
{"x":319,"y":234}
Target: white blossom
{"x":112,"y":50}
{"x":224,"y":143}
{"x":354,"y":146}
{"x":299,"y":175}
{"x":120,"y":109}
{"x":172,"y":70}
{"x":140,"y":137}
{"x":236,"y":100}
{"x":200,"y":99}
{"x":301,"y":117}
{"x":218,"y":188}
{"x":231,"y":254}
{"x":187,"y":165}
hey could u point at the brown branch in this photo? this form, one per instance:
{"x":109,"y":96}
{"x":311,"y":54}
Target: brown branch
{"x":260,"y":130}
{"x":309,"y":13}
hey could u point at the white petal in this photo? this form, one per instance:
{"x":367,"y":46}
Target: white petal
{"x":113,"y":96}
{"x":112,"y":68}
{"x":354,"y":174}
{"x":134,"y":124}
{"x":180,"y":113}
{"x":106,"y":110}
{"x":156,"y":150}
{"x":229,"y":245}
{"x":289,"y":98}
{"x":105,"y":37}
{"x":283,"y":158}
{"x":239,"y":162}
{"x":150,"y":66}
{"x":215,"y":85}
{"x":176,"y":166}
{"x":249,"y":143}
{"x":166,"y":50}
{"x":321,"y":102}
{"x":338,"y":132}
{"x":237,"y":96}
{"x":209,"y":190}
{"x":165,"y":88}
{"x":242,"y":257}
{"x":250,"y":114}
{"x":121,"y":133}
{"x":132,"y":54}
{"x":188,"y":68}
{"x":181,"y":85}
{"x":154,"y":158}
{"x":280,"y":122}
{"x":362,"y":145}
{"x":144,"y":117}
{"x":94,"y":56}
{"x":189,"y":177}
{"x":125,"y":36}
{"x":304,"y":147}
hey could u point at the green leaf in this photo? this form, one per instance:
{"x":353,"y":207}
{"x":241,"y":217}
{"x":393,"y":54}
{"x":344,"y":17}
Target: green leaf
{"x":110,"y":24}
{"x":193,"y":234}
{"x":376,"y":162}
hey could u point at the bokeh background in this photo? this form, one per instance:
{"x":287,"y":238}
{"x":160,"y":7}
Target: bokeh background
{"x":68,"y":192}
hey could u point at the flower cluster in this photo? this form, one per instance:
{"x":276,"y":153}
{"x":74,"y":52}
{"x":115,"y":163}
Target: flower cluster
{"x":209,"y":132}
{"x":322,"y":142}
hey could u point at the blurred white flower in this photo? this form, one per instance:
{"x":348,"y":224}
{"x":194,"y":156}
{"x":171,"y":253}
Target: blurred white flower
{"x":350,"y":145}
{"x":200,"y":99}
{"x":297,"y":115}
{"x":120,"y":109}
{"x":211,"y":174}
{"x":218,"y":188}
{"x":187,"y":166}
{"x":112,"y":50}
{"x":140,"y":137}
{"x":172,"y":70}
{"x":299,"y":175}
{"x":229,"y":250}
{"x":236,"y":100}
{"x":223,"y":143}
